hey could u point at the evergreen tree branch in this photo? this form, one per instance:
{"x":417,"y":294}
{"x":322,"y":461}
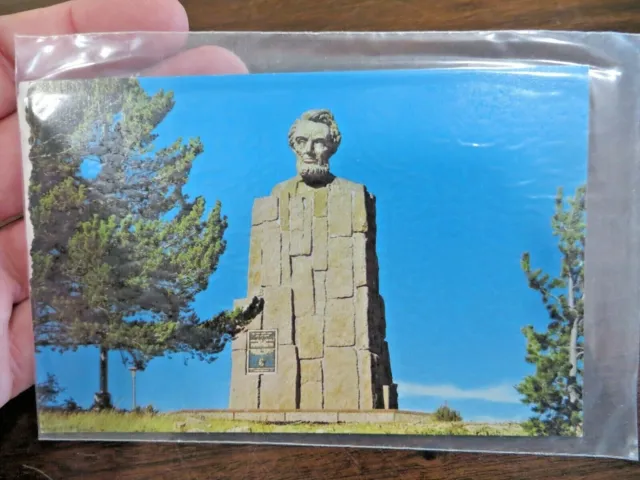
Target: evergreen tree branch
{"x":554,"y":391}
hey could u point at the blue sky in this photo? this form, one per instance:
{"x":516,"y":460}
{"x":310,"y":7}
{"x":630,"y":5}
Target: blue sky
{"x":464,"y":164}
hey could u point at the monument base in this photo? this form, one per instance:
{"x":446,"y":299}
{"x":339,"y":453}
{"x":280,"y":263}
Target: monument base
{"x":317,"y":416}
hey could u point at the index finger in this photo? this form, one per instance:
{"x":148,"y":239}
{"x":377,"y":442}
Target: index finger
{"x":82,"y":16}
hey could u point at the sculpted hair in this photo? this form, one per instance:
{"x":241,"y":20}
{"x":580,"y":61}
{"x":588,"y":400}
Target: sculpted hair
{"x":319,"y":116}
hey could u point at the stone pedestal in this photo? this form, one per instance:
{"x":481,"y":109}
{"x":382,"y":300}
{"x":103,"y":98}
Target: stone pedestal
{"x":313,"y":260}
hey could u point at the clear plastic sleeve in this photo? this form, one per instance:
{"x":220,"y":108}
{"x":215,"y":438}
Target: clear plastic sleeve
{"x":611,"y":322}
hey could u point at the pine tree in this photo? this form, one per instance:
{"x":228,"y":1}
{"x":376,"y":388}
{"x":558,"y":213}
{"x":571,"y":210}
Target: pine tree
{"x":48,"y":391}
{"x":119,"y":251}
{"x":554,"y":391}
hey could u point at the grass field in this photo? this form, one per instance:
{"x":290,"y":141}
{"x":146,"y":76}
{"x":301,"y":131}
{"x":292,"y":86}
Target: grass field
{"x":58,"y":422}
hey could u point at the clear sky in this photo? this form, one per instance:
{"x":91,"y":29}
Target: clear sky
{"x":465,"y":166}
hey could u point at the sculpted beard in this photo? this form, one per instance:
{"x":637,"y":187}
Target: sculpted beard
{"x":314,"y":173}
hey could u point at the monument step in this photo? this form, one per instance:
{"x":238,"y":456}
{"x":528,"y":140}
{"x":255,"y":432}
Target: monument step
{"x":317,"y":416}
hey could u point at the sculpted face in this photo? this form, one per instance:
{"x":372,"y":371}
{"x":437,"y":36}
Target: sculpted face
{"x":311,"y":143}
{"x":314,"y":137}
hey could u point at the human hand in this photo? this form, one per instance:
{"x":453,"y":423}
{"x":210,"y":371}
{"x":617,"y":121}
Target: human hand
{"x":17,"y":370}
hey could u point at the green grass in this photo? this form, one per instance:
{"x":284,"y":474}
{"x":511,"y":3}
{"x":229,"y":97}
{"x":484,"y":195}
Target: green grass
{"x":60,"y":422}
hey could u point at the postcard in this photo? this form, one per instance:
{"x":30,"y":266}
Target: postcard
{"x":367,"y":252}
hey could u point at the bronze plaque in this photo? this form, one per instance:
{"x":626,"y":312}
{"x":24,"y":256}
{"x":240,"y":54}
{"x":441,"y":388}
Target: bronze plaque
{"x":262,"y":351}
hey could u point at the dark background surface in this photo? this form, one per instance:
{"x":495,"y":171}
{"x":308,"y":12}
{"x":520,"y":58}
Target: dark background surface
{"x":22,"y":456}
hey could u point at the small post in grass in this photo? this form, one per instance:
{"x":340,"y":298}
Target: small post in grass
{"x":133,"y":371}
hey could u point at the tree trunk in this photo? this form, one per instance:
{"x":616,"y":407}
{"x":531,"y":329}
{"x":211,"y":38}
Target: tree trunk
{"x":102,"y":399}
{"x":573,"y":346}
{"x":573,"y":359}
{"x":104,"y":370}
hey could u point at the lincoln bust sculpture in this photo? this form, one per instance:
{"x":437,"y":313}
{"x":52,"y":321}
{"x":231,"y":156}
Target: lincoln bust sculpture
{"x":314,"y":138}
